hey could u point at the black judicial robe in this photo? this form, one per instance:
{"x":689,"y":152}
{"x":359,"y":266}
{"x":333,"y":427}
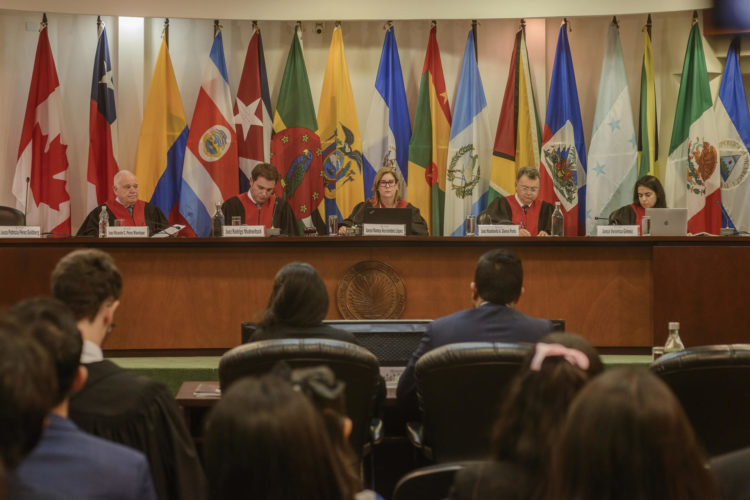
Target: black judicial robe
{"x":500,"y":211}
{"x":418,"y":224}
{"x":282,"y":217}
{"x":155,"y":220}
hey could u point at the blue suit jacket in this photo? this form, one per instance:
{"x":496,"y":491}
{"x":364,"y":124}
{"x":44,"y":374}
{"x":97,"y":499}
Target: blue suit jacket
{"x":70,"y":461}
{"x":486,"y":323}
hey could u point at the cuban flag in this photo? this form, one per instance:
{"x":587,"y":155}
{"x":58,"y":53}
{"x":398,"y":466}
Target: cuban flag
{"x":388,"y":132}
{"x":563,"y":156}
{"x":102,"y":128}
{"x":209,"y":175}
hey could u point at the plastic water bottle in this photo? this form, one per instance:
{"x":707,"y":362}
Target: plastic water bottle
{"x":674,"y":342}
{"x":103,"y":222}
{"x":218,"y":221}
{"x":558,"y":222}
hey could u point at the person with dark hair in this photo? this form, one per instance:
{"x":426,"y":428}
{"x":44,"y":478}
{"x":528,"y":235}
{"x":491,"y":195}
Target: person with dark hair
{"x":265,"y":440}
{"x":386,"y":190}
{"x":68,"y":460}
{"x":260,"y":206}
{"x":496,"y":289}
{"x":531,"y":417}
{"x":297,"y":307}
{"x":626,"y":437}
{"x":115,"y":403}
{"x":647,"y":193}
{"x":522,"y":208}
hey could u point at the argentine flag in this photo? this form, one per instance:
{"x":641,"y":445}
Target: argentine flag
{"x":388,"y":131}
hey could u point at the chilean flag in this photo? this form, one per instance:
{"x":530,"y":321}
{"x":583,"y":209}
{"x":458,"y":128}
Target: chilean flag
{"x":102,"y":128}
{"x":209,"y":175}
{"x":42,"y":156}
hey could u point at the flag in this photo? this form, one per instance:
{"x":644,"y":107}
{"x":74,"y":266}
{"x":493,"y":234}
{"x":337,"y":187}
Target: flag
{"x":469,"y":150}
{"x":733,"y":127}
{"x":40,"y":184}
{"x":295,"y":147}
{"x":209,"y":175}
{"x":428,"y":149}
{"x":648,"y":135}
{"x":563,"y":155}
{"x":102,"y":128}
{"x":338,"y":130}
{"x":252,"y":112}
{"x":518,"y":139}
{"x":161,"y":144}
{"x":692,"y":177}
{"x":386,"y":140}
{"x":612,"y":153}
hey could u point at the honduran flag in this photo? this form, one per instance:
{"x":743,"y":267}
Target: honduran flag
{"x":388,"y":131}
{"x":563,"y":156}
{"x":42,"y":167}
{"x":210,"y":173}
{"x":252,"y":112}
{"x":102,"y":128}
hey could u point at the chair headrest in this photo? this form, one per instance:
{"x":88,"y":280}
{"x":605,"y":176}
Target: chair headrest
{"x":707,"y":356}
{"x":467,"y":353}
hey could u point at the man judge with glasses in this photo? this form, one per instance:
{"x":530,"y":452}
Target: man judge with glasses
{"x":533,"y":217}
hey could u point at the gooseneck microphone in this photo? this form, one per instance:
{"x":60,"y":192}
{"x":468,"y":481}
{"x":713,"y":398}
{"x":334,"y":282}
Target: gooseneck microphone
{"x":26,"y":201}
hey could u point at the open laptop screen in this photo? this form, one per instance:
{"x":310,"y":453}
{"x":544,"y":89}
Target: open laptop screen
{"x":375,"y":215}
{"x":668,"y":221}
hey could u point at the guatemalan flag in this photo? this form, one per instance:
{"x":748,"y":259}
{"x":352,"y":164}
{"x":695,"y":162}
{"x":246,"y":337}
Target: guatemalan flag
{"x":563,"y":157}
{"x":102,"y":128}
{"x":388,"y":132}
{"x":42,"y":167}
{"x":210,"y":172}
{"x":733,"y":127}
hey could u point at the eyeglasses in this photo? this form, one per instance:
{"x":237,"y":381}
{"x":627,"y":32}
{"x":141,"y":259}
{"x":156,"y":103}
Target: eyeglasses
{"x":528,"y":189}
{"x":387,"y":183}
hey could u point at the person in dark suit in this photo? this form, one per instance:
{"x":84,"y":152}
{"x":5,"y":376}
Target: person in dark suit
{"x":730,"y":472}
{"x":497,"y":287}
{"x":68,"y":460}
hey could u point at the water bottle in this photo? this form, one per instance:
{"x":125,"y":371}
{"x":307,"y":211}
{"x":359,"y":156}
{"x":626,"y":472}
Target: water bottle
{"x":674,"y":342}
{"x":218,"y":221}
{"x":558,"y":223}
{"x":103,"y":222}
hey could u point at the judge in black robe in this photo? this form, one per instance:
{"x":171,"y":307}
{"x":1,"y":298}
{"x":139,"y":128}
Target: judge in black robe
{"x":281,"y":214}
{"x":647,"y":193}
{"x":154,"y":219}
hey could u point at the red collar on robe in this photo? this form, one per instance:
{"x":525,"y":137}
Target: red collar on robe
{"x":255,"y":217}
{"x":401,"y":204}
{"x":640,"y":212}
{"x":137,"y":219}
{"x":528,"y":220}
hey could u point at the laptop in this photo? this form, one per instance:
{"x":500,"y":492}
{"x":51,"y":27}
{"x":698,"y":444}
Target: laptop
{"x":375,"y":215}
{"x":668,"y":221}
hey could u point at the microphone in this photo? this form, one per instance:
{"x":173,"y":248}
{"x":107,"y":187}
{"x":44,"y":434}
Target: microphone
{"x":26,"y":201}
{"x":614,"y":223}
{"x":53,"y":233}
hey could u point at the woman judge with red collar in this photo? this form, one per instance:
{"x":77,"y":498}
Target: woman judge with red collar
{"x":647,"y":193}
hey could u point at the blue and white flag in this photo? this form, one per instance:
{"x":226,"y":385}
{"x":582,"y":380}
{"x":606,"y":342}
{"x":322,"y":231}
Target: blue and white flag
{"x":388,"y":130}
{"x":613,"y":154}
{"x":733,"y":127}
{"x":470,"y":148}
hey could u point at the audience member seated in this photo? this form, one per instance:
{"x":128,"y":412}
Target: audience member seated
{"x":297,"y":307}
{"x":27,"y":390}
{"x":68,"y":460}
{"x":114,"y":403}
{"x":626,"y":437}
{"x":265,"y":440}
{"x":496,"y":289}
{"x":530,"y":421}
{"x":647,"y":193}
{"x":731,"y":473}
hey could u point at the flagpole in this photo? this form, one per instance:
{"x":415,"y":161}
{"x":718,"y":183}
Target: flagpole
{"x":99,"y":24}
{"x":43,"y":24}
{"x":695,"y":17}
{"x":648,"y":25}
{"x":255,"y":26}
{"x":217,"y":27}
{"x":474,"y":24}
{"x":166,"y":31}
{"x":523,"y":25}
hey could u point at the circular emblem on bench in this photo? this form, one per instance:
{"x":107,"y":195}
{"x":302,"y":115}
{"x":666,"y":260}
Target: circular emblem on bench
{"x":371,"y":290}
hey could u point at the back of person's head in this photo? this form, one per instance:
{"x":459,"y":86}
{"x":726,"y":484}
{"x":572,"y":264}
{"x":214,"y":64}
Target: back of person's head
{"x":499,"y":276}
{"x":265,"y":440}
{"x":52,"y":324}
{"x":627,"y":437}
{"x":27,"y":390}
{"x":84,"y":280}
{"x":533,"y":412}
{"x":298,"y":298}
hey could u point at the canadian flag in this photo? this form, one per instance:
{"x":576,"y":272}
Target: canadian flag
{"x":42,"y":167}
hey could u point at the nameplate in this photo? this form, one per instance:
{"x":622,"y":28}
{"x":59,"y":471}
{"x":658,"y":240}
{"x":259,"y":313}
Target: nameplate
{"x":383,"y":229}
{"x":244,"y":231}
{"x":20,"y":232}
{"x":127,"y":231}
{"x":497,"y":230}
{"x":617,"y":231}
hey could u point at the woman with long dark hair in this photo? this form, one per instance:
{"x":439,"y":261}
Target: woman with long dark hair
{"x":647,"y":193}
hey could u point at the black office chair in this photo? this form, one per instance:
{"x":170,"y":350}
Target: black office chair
{"x":713,"y":385}
{"x":428,"y":483}
{"x":354,"y":365}
{"x":460,"y":389}
{"x":11,"y":217}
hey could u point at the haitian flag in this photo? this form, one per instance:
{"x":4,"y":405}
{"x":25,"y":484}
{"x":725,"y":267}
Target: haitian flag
{"x":386,"y":140}
{"x":563,"y":156}
{"x":102,"y":128}
{"x":252,"y":112}
{"x":42,"y":159}
{"x":209,"y":175}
